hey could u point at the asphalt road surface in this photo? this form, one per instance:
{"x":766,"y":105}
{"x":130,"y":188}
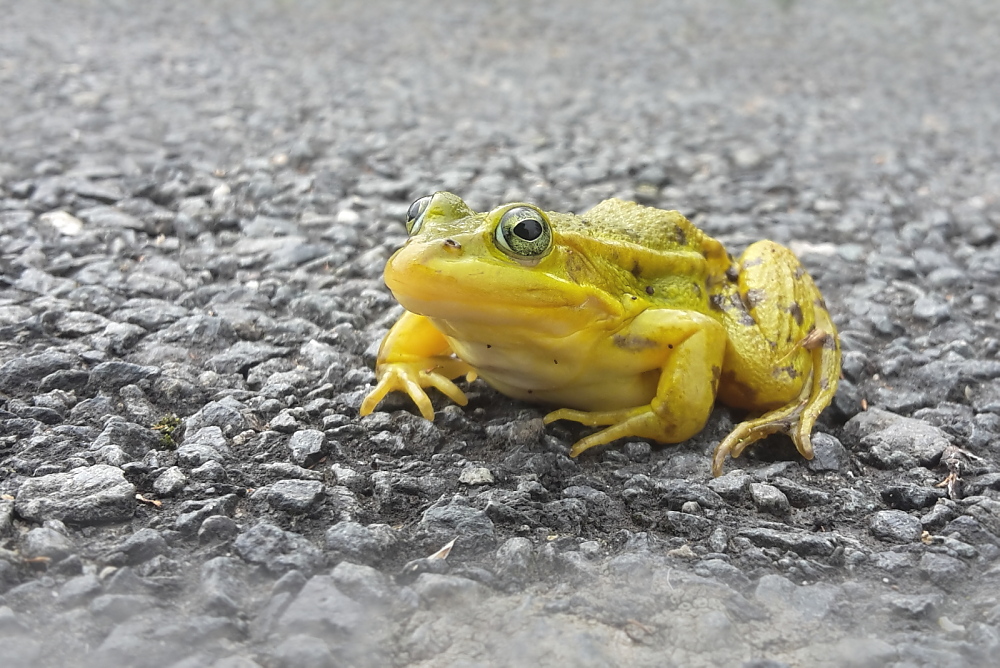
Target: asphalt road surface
{"x":196,"y":203}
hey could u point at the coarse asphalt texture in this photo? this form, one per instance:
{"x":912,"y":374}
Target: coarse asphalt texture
{"x":196,"y":203}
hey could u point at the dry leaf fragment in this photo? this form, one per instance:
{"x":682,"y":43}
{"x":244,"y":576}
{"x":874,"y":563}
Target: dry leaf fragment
{"x":152,"y":502}
{"x":37,"y":560}
{"x":444,"y":551}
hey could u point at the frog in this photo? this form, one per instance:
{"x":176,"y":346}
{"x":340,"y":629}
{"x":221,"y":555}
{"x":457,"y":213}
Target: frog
{"x":627,"y":317}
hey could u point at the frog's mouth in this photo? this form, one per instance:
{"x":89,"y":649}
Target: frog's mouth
{"x":436,"y":280}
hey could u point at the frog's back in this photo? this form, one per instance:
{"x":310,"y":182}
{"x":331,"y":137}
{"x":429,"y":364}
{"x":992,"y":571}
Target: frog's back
{"x":631,"y":223}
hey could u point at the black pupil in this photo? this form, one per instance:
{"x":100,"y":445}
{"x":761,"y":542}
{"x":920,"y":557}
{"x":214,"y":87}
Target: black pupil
{"x":416,"y":209}
{"x":528,"y":229}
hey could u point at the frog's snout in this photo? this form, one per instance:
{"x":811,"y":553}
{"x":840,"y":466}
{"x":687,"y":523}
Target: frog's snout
{"x":452,"y":246}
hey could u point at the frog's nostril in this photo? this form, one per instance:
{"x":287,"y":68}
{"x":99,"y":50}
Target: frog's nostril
{"x":451,"y":244}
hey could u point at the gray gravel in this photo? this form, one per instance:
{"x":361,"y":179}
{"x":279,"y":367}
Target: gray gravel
{"x":196,"y":203}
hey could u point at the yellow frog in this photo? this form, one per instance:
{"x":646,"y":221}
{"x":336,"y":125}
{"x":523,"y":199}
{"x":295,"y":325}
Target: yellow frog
{"x":627,"y":317}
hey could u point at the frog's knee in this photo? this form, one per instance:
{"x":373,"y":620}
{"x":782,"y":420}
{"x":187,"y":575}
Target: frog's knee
{"x":765,"y":251}
{"x":669,"y":423}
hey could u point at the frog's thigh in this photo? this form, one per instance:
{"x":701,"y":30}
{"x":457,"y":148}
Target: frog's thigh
{"x":688,"y":348}
{"x":767,"y":313}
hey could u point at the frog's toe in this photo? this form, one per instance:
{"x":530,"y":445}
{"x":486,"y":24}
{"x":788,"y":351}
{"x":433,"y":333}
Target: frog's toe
{"x":803,"y":439}
{"x":722,"y":451}
{"x":371,"y":401}
{"x":583,"y":417}
{"x":746,"y":434}
{"x":631,"y":427}
{"x":403,"y":379}
{"x":445,"y":387}
{"x":419,"y":397}
{"x":641,"y":422}
{"x":596,"y":418}
{"x":790,"y":419}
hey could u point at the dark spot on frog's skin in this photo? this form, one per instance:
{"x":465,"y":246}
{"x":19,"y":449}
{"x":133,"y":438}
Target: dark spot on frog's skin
{"x":555,"y":361}
{"x":790,"y":370}
{"x":796,"y":312}
{"x":489,"y":345}
{"x":824,"y":383}
{"x":531,"y":391}
{"x":715,"y":302}
{"x":755,"y":297}
{"x":681,"y":236}
{"x":716,"y":375}
{"x":753,"y":262}
{"x":745,"y":318}
{"x":800,"y":271}
{"x":670,"y":345}
{"x":747,"y":394}
{"x":733,"y":273}
{"x":830,"y":342}
{"x":650,"y":290}
{"x":636,"y":269}
{"x":820,"y":303}
{"x":451,"y":244}
{"x":632,"y":342}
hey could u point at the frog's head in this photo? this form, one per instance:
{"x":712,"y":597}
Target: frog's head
{"x":507,"y":267}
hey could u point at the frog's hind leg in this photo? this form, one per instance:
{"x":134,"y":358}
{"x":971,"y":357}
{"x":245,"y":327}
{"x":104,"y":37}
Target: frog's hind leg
{"x":783,"y":359}
{"x":787,"y":419}
{"x":686,"y":351}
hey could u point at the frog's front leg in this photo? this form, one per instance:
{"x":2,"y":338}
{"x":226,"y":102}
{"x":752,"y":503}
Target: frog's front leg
{"x":415,"y":355}
{"x":687,"y":348}
{"x":783,"y":359}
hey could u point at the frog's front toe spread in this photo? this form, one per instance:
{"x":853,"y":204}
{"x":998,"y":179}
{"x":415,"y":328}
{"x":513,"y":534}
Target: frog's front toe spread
{"x":415,"y":355}
{"x":412,"y":379}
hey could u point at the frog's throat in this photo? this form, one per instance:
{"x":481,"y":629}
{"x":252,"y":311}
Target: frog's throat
{"x":546,"y":318}
{"x":556,"y":308}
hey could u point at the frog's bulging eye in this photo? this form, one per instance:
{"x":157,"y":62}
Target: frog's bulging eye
{"x":524,"y":232}
{"x":415,"y":215}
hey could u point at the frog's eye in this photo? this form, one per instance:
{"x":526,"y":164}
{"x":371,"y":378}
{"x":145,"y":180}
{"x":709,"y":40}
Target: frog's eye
{"x":415,"y":215}
{"x":524,"y":232}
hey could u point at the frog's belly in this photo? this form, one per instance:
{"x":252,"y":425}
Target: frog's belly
{"x":588,"y":377}
{"x":601,"y":394}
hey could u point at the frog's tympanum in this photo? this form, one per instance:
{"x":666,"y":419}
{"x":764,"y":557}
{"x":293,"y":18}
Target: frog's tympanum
{"x":625,"y":317}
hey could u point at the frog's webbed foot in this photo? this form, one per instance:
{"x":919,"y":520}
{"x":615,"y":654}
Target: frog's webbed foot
{"x":796,"y":419}
{"x":412,"y":378}
{"x":639,"y":421}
